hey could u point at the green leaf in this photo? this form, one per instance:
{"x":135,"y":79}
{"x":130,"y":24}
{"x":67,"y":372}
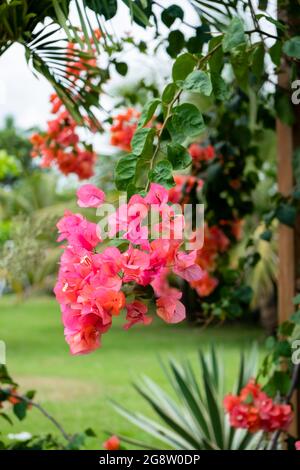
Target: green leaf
{"x":176,"y":43}
{"x":240,"y":64}
{"x":162,"y":174}
{"x":234,"y":35}
{"x":5,"y":378}
{"x":286,"y":328}
{"x":282,"y":348}
{"x":286,"y":214}
{"x":263,"y":4}
{"x":183,"y":66}
{"x":216,"y":59}
{"x":142,"y":137}
{"x":148,"y":111}
{"x":187,"y":121}
{"x":213,"y":407}
{"x":170,"y":14}
{"x":292,"y":47}
{"x":244,"y":294}
{"x":296,"y":299}
{"x":220,"y":88}
{"x":169,"y":93}
{"x":90,"y":432}
{"x":121,"y":68}
{"x":258,"y":61}
{"x":266,"y":235}
{"x":178,"y":156}
{"x":7,"y":418}
{"x":193,"y":403}
{"x":30,"y":394}
{"x":279,"y":382}
{"x":295,"y":317}
{"x":20,"y":410}
{"x":125,"y":171}
{"x":194,"y":44}
{"x":275,"y":53}
{"x":198,"y":82}
{"x":107,"y":8}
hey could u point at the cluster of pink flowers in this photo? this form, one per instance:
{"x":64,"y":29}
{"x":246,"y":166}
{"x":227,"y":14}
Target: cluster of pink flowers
{"x":60,"y":144}
{"x":96,"y":281}
{"x":254,"y":410}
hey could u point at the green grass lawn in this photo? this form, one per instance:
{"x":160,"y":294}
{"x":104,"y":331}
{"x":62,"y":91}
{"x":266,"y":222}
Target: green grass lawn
{"x":76,"y":390}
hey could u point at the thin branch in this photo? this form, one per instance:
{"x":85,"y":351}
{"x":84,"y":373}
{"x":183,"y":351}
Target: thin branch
{"x":45,"y":413}
{"x":259,"y":31}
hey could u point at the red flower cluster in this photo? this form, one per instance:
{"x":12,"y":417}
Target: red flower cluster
{"x":123,"y":128}
{"x":60,"y":144}
{"x":200,"y":153}
{"x":252,"y":409}
{"x":95,"y":283}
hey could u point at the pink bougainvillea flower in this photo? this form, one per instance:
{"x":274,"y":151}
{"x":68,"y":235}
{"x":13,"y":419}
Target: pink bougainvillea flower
{"x":128,"y":218}
{"x":157,"y":195}
{"x":90,"y":196}
{"x":186,"y":267}
{"x":169,"y":307}
{"x":113,"y":443}
{"x":78,"y":231}
{"x":85,"y":341}
{"x":135,"y":262}
{"x":95,"y":282}
{"x":297,"y":445}
{"x":113,"y":302}
{"x":136,"y":313}
{"x":172,"y":222}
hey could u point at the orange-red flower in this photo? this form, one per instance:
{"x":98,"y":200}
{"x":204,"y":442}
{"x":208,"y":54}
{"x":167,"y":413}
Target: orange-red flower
{"x":113,"y":443}
{"x":123,"y":128}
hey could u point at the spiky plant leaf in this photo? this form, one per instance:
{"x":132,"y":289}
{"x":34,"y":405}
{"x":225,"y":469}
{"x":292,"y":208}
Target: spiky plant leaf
{"x":197,"y":420}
